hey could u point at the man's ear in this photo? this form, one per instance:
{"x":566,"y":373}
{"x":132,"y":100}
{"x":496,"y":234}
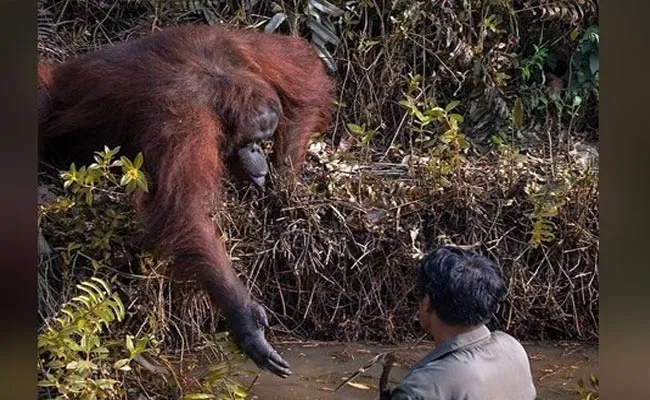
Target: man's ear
{"x":427,"y":303}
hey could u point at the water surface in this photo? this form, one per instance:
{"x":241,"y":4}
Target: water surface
{"x":319,"y":367}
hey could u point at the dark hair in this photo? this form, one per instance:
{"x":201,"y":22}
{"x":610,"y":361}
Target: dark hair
{"x":464,"y":287}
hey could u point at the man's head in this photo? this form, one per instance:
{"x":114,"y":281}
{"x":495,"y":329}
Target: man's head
{"x":458,"y":288}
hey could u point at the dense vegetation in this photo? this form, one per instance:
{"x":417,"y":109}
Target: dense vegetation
{"x":466,"y":122}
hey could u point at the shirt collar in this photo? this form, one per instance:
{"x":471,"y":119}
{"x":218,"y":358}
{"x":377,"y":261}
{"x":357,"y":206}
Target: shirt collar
{"x":455,"y":343}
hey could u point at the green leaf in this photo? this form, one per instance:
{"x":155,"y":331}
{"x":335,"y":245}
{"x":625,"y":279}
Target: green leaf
{"x":577,"y":100}
{"x":57,"y":364}
{"x":126,"y":163}
{"x":463,"y":144}
{"x":497,"y":140}
{"x":106,"y":384}
{"x":356,"y":129}
{"x":142,"y":182}
{"x":139,"y":160}
{"x":107,"y":289}
{"x":84,"y":366}
{"x":423,"y":118}
{"x":126,"y":179}
{"x":543,"y":100}
{"x":452,"y":104}
{"x":140,"y":345}
{"x":118,"y":307}
{"x":574,"y":33}
{"x":408,"y":102}
{"x":447,"y":136}
{"x":435,"y":112}
{"x":122,"y":365}
{"x":89,"y":197}
{"x":100,"y":350}
{"x":96,"y":292}
{"x":457,"y":118}
{"x":129,"y":343}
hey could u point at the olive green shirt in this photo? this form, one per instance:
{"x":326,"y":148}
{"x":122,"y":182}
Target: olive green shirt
{"x":476,"y":365}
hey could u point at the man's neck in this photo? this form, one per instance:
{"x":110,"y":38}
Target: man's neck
{"x":442,"y":332}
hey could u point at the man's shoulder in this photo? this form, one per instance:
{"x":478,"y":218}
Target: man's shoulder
{"x":439,"y":369}
{"x":432,"y":380}
{"x":508,"y":342}
{"x":503,"y":336}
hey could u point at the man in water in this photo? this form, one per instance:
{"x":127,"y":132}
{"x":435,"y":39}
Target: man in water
{"x":459,"y":291}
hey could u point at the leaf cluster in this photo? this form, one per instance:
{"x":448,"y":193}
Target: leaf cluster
{"x":73,"y":356}
{"x":97,"y":177}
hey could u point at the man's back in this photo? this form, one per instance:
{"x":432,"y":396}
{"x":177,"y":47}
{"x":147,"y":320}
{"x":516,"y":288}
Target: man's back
{"x":474,"y":365}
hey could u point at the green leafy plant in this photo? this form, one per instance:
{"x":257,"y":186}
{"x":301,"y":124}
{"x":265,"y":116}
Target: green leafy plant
{"x":447,"y":143}
{"x":86,"y":182}
{"x":548,"y":199}
{"x":93,"y":211}
{"x":547,"y":207}
{"x":362,"y":133}
{"x":582,"y":77}
{"x":73,"y":357}
{"x":585,"y":64}
{"x":532,"y":67}
{"x":533,"y":72}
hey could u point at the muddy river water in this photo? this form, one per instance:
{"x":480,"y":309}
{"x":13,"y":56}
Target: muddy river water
{"x":320,"y":367}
